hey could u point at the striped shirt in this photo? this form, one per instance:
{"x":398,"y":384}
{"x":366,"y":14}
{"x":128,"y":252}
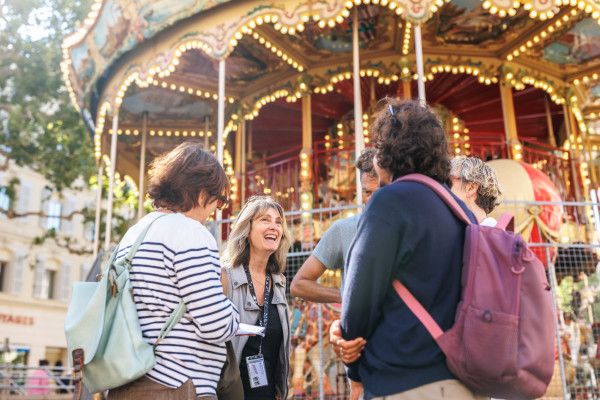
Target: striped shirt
{"x":178,"y":260}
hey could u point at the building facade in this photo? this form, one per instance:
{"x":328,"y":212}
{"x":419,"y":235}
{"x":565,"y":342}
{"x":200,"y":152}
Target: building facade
{"x":36,"y":280}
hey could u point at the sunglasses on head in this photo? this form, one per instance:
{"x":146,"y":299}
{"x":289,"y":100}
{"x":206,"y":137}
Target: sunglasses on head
{"x":222,"y":202}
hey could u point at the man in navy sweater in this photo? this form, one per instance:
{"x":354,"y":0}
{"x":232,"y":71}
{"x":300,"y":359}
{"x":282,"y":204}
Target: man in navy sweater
{"x":407,"y":233}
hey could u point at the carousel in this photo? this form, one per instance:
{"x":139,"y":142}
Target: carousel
{"x":282,"y":92}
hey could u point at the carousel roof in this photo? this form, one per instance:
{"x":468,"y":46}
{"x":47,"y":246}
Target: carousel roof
{"x":161,"y":58}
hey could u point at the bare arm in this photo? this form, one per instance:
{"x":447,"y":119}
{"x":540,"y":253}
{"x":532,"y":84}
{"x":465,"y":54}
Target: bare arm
{"x":305,"y":286}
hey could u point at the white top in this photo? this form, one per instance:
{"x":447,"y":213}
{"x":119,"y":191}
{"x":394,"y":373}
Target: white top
{"x":178,"y":260}
{"x":489,"y":221}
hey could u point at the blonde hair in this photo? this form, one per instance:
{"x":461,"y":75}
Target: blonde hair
{"x":237,"y":251}
{"x":473,"y":170}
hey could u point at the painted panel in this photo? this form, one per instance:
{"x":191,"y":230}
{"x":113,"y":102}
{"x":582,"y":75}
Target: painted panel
{"x":581,"y":43}
{"x":120,"y":26}
{"x":466,"y":21}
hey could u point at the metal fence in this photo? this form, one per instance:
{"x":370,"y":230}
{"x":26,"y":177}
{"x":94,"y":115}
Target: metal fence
{"x":35,"y":382}
{"x":564,"y":235}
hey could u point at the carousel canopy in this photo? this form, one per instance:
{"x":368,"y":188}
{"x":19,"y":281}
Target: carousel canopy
{"x":158,"y":61}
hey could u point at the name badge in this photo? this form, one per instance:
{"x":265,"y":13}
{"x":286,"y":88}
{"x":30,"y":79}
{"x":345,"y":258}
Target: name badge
{"x":256,"y":371}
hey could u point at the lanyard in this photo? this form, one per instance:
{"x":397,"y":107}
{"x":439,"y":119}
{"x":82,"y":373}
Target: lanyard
{"x":265,"y":318}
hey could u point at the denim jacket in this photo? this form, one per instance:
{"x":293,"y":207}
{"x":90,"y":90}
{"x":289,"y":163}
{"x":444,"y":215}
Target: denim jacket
{"x":238,"y":293}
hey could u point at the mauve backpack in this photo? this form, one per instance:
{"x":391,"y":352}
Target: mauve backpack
{"x":502,"y":341}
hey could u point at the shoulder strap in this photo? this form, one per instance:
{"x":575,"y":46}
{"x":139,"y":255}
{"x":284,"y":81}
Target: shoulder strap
{"x":440,"y":191}
{"x":180,"y":309}
{"x":413,"y":304}
{"x":506,"y":222}
{"x":136,"y":245}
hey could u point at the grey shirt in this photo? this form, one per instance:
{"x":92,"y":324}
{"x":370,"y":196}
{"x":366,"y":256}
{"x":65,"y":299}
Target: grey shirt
{"x":333,"y":247}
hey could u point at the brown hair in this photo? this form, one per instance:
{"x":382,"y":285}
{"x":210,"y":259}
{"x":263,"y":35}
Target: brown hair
{"x":364,"y":163}
{"x":177,"y":178}
{"x":410,"y":139}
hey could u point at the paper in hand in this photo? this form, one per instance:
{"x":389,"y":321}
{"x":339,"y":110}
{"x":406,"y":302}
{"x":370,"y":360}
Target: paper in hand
{"x":245,"y":329}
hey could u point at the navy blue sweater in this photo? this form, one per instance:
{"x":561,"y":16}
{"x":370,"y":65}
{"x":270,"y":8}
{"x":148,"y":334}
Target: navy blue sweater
{"x":408,"y":233}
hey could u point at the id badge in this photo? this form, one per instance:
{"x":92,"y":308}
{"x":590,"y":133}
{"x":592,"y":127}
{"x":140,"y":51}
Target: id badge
{"x":256,"y":371}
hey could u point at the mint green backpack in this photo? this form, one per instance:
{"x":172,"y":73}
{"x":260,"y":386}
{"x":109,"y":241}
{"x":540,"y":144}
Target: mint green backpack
{"x":103,"y":329}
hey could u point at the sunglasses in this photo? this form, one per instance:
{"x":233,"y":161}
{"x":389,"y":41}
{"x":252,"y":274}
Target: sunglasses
{"x":222,"y":202}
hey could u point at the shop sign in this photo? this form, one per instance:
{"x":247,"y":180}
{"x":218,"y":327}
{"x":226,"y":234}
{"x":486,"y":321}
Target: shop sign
{"x":16,"y":319}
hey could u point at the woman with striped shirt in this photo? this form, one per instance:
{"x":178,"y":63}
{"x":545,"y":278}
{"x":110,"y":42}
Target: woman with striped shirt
{"x":179,"y":260}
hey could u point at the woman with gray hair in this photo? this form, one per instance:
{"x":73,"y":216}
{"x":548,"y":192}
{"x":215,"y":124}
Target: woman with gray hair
{"x":255,"y":259}
{"x":476,"y":184}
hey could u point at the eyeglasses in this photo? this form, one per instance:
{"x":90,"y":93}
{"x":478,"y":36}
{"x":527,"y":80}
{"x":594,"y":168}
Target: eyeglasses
{"x":222,"y":202}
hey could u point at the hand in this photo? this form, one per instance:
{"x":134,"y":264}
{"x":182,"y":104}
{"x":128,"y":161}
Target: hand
{"x":356,"y":389}
{"x":348,"y":350}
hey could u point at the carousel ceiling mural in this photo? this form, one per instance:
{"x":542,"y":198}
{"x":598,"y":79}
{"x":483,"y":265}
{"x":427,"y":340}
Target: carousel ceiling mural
{"x":162,"y":59}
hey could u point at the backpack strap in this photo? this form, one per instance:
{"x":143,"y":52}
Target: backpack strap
{"x":136,"y":245}
{"x":506,"y":222}
{"x":180,"y":309}
{"x":441,"y":191}
{"x":413,"y":304}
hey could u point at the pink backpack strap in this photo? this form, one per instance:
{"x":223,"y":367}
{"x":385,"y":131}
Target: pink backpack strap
{"x":417,"y":309}
{"x":441,"y":192}
{"x":506,"y":222}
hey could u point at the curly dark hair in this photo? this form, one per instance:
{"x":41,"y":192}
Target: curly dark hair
{"x":410,"y":139}
{"x":364,"y":163}
{"x":177,"y":178}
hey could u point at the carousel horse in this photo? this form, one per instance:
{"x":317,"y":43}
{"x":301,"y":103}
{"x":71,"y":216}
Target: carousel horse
{"x":302,"y":352}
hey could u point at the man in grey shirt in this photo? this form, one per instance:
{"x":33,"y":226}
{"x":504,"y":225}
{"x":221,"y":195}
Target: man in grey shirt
{"x":332,"y":249}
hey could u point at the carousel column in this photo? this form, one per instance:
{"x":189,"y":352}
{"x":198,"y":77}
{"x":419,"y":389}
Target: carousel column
{"x":111,"y":178}
{"x":220,"y":130}
{"x":142,"y":183}
{"x":306,"y":156}
{"x":510,"y":122}
{"x":237,"y":167}
{"x":420,"y":68}
{"x":243,"y":162}
{"x":359,"y":139}
{"x":551,"y":138}
{"x":98,"y":210}
{"x":406,"y":89}
{"x":573,"y":151}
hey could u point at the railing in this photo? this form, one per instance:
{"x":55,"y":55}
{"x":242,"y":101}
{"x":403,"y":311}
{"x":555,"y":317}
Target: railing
{"x":21,"y":381}
{"x":334,"y":172}
{"x":554,"y":162}
{"x":569,"y":251}
{"x":278,"y":176}
{"x":487,"y":146}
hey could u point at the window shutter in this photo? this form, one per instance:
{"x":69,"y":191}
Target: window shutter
{"x":65,"y":280}
{"x":38,"y":277}
{"x":18,"y":272}
{"x":46,"y":193}
{"x":24,"y":200}
{"x":70,"y":206}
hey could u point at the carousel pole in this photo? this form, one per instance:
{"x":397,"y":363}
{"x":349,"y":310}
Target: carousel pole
{"x":510,"y":122}
{"x":406,"y":90}
{"x":220,"y":129}
{"x":142,"y":192}
{"x":98,"y":210}
{"x":574,"y":157}
{"x":242,"y":185}
{"x":359,"y":139}
{"x":420,"y":68}
{"x":111,"y":178}
{"x":206,"y":133}
{"x":551,"y":138}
